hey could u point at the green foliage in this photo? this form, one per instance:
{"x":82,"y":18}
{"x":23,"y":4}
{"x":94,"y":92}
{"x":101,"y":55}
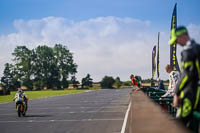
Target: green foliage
{"x":23,"y":65}
{"x":148,"y":80}
{"x":87,"y":81}
{"x":107,"y":82}
{"x":127,"y":83}
{"x":65,"y":83}
{"x":8,"y":81}
{"x":118,"y":82}
{"x":40,"y":67}
{"x":74,"y":82}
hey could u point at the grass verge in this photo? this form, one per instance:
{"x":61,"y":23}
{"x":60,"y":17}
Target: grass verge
{"x":40,"y":94}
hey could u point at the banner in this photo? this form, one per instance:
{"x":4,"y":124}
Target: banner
{"x":173,"y":58}
{"x":158,"y":61}
{"x":153,"y":61}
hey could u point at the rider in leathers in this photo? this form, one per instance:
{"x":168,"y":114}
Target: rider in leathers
{"x":187,"y":89}
{"x":23,"y":95}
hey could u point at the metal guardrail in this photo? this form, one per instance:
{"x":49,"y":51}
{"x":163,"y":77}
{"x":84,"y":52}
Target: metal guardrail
{"x":166,"y":104}
{"x":147,"y":117}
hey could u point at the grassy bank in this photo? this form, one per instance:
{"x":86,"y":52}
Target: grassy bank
{"x":39,"y":94}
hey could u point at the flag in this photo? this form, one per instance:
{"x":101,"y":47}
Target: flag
{"x":173,"y":58}
{"x":153,"y":61}
{"x":158,"y":61}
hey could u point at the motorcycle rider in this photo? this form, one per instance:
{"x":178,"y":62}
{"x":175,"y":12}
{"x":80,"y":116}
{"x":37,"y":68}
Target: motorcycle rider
{"x":187,"y":90}
{"x":21,"y":94}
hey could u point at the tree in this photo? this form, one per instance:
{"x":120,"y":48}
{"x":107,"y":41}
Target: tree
{"x":74,"y":82}
{"x":107,"y":82}
{"x":8,"y":81}
{"x":63,"y":59}
{"x":43,"y":62}
{"x":65,"y":83}
{"x":43,"y":66}
{"x":23,"y":67}
{"x":126,"y":83}
{"x":118,"y":82}
{"x":87,"y":81}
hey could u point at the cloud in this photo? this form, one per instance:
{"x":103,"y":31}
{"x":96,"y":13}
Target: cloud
{"x":194,"y":31}
{"x":102,"y":46}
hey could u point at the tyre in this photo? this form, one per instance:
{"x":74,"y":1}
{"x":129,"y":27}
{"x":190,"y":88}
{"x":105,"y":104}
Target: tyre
{"x":18,"y":110}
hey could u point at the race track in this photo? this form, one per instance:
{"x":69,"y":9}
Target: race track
{"x":101,"y":111}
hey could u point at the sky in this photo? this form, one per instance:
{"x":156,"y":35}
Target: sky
{"x":107,"y":37}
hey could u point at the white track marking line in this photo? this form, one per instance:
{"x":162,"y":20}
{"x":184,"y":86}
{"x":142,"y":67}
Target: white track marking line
{"x":84,"y":112}
{"x":48,"y":108}
{"x":125,"y":119}
{"x":39,"y":121}
{"x":103,"y":107}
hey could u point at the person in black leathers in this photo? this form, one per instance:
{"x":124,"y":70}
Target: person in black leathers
{"x":186,"y":97}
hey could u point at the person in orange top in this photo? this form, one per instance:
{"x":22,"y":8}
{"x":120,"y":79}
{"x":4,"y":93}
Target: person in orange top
{"x":134,"y":82}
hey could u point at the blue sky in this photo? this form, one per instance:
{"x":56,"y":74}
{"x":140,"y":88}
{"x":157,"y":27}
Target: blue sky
{"x":112,"y":30}
{"x":157,"y":11}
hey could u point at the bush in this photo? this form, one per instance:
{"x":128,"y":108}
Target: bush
{"x":87,"y":81}
{"x":118,"y":82}
{"x":127,"y":83}
{"x":107,"y":82}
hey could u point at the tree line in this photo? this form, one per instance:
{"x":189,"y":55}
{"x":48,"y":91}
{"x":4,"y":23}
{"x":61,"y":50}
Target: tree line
{"x":47,"y":67}
{"x":38,"y":68}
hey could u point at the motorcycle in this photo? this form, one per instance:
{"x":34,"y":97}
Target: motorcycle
{"x":20,"y":106}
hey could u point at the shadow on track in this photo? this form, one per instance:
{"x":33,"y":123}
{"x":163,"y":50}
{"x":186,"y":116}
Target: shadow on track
{"x":38,"y":115}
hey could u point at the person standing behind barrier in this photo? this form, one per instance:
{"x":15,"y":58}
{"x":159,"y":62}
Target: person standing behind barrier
{"x":139,"y":82}
{"x":160,"y":84}
{"x":134,"y":82}
{"x":173,"y":79}
{"x":186,"y":96}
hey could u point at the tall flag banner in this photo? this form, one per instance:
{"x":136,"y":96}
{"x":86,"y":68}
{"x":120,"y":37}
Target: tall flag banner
{"x":173,"y":58}
{"x":158,"y":61}
{"x":153,"y":61}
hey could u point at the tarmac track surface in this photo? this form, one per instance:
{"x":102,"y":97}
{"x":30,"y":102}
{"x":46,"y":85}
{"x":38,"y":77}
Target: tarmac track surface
{"x":101,"y":111}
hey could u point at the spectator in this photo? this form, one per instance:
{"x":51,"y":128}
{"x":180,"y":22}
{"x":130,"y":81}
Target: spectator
{"x":173,"y":79}
{"x":161,"y":85}
{"x":139,"y":81}
{"x":134,"y":82}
